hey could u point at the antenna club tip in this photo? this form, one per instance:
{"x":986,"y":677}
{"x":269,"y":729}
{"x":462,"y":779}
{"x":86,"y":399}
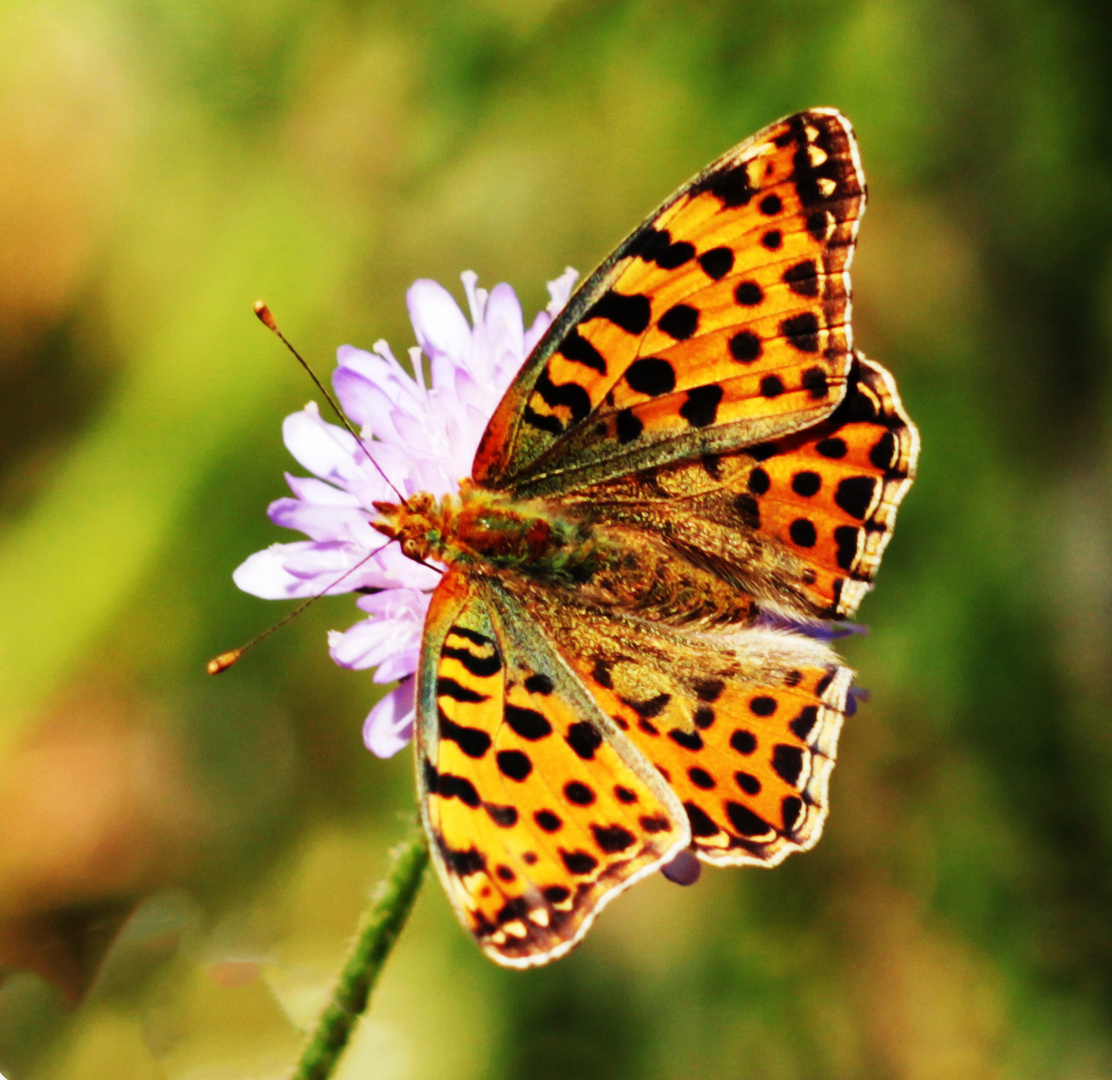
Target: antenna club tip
{"x":222,"y":662}
{"x":265,"y":317}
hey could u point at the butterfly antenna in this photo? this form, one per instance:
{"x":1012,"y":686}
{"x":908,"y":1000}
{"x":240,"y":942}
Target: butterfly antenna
{"x":225,"y":660}
{"x":267,"y":319}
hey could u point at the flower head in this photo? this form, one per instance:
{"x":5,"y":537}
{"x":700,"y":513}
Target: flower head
{"x":423,"y":435}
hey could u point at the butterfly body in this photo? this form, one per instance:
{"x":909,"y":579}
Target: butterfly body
{"x":693,"y":468}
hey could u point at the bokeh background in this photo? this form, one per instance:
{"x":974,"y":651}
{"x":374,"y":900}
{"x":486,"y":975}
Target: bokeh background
{"x":183,"y":860}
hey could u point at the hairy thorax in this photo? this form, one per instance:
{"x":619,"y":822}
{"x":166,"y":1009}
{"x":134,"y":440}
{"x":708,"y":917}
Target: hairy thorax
{"x":539,"y":541}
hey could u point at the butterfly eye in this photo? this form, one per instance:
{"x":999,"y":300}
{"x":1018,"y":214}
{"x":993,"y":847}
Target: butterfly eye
{"x":411,"y":548}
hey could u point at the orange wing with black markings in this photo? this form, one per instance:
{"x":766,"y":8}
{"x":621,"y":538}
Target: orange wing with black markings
{"x":539,"y":810}
{"x":722,"y":321}
{"x":743,"y":725}
{"x":797,"y":523}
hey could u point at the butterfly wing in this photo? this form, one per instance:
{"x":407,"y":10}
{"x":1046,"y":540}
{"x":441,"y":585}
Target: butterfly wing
{"x":540,"y":810}
{"x":743,"y":725}
{"x":722,"y":321}
{"x":798,"y":523}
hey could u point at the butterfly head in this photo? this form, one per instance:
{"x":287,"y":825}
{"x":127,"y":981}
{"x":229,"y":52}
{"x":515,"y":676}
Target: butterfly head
{"x":418,"y":524}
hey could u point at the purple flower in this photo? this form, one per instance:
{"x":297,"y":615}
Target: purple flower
{"x":423,"y":435}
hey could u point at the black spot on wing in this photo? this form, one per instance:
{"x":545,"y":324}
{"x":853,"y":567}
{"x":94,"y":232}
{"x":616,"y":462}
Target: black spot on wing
{"x":701,"y":407}
{"x":689,"y":740}
{"x":651,"y":375}
{"x":679,"y":322}
{"x":745,"y":346}
{"x":717,"y":262}
{"x":802,"y":533}
{"x":801,"y":726}
{"x":628,"y":426}
{"x":542,"y":422}
{"x":854,"y":494}
{"x":802,"y":331}
{"x":571,"y":396}
{"x":730,"y":185}
{"x":472,"y":741}
{"x":701,"y":824}
{"x":578,"y":793}
{"x":787,"y":762}
{"x":576,"y":347}
{"x":833,"y":448}
{"x":709,"y":689}
{"x":649,"y":708}
{"x":802,"y":278}
{"x":759,"y":481}
{"x":790,"y":808}
{"x":700,"y":778}
{"x":612,"y":838}
{"x":656,"y":245}
{"x":845,"y":540}
{"x":815,"y":383}
{"x":584,"y":738}
{"x":631,"y":313}
{"x":748,"y":294}
{"x":503,"y":816}
{"x":450,"y":688}
{"x":538,"y":683}
{"x":883,"y":452}
{"x":578,"y":862}
{"x":528,"y":723}
{"x":548,"y":821}
{"x":449,"y":786}
{"x":745,"y":821}
{"x":480,"y":666}
{"x":462,"y":863}
{"x":600,"y":672}
{"x":806,"y":483}
{"x":744,"y":742}
{"x":513,"y":764}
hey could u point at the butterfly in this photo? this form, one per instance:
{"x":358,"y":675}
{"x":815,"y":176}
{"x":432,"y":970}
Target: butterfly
{"x":692,"y":472}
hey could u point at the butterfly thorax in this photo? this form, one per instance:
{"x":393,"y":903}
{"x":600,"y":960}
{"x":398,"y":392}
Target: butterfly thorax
{"x":543,"y":542}
{"x":480,"y":527}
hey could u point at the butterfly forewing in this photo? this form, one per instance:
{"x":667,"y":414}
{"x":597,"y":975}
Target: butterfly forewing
{"x":723,"y":320}
{"x":539,"y":812}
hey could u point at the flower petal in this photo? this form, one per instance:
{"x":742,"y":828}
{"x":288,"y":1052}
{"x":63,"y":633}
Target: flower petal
{"x":322,"y":448}
{"x":437,"y":320}
{"x":389,"y":725}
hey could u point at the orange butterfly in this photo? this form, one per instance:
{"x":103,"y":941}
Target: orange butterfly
{"x":692,"y":466}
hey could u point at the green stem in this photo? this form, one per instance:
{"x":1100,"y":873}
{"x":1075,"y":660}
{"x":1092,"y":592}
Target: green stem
{"x":390,"y":907}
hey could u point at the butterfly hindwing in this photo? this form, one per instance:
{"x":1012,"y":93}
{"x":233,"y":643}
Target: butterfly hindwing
{"x":723,"y":320}
{"x":538,"y":811}
{"x":743,"y":725}
{"x":797,"y":523}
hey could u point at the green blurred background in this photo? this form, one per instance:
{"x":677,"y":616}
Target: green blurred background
{"x":182,"y":860}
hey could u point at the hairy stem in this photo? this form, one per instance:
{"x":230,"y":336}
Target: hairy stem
{"x":390,"y":906}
